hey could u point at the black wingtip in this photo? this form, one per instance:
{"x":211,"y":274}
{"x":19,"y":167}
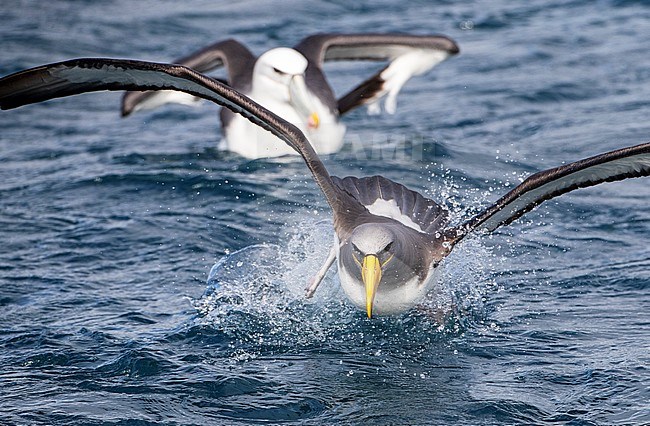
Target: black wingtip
{"x":129,"y":101}
{"x":125,"y":111}
{"x":452,"y":47}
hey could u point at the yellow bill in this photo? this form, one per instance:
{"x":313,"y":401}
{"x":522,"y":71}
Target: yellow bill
{"x":371,"y":275}
{"x":301,"y":99}
{"x":313,"y":122}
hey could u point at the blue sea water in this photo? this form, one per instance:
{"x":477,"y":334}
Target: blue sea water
{"x":147,"y":278}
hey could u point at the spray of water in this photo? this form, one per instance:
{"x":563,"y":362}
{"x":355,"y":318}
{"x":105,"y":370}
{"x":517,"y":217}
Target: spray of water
{"x":255,"y":296}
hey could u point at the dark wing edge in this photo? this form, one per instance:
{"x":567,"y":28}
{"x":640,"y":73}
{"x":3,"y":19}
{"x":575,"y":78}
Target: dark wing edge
{"x":98,"y":74}
{"x":620,"y":164}
{"x":230,"y":53}
{"x":319,"y":48}
{"x":363,"y":94}
{"x":370,"y":47}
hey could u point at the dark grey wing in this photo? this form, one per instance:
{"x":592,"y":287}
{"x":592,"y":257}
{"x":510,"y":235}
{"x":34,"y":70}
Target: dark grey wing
{"x":609,"y":167}
{"x":424,"y":212}
{"x":408,"y":55}
{"x":88,"y":75}
{"x":233,"y":55}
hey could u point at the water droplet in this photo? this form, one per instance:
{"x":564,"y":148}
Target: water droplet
{"x":466,"y":25}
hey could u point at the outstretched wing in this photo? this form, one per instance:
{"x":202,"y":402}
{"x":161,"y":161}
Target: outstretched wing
{"x":89,"y":75}
{"x":233,"y":55}
{"x":409,"y":55}
{"x":609,"y":167}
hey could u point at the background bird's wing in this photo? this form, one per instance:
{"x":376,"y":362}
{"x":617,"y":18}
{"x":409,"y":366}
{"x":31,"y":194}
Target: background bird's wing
{"x":231,"y":54}
{"x":90,"y":74}
{"x":409,"y":55}
{"x":609,"y":167}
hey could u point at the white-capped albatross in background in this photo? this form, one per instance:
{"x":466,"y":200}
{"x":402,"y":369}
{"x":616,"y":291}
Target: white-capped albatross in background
{"x":389,"y":239}
{"x":291,"y":83}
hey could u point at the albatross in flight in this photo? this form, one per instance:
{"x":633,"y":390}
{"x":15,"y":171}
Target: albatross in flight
{"x":292,"y":84}
{"x":389,"y":239}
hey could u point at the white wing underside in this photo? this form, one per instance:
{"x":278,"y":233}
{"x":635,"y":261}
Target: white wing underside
{"x":400,"y":70}
{"x":164,"y":97}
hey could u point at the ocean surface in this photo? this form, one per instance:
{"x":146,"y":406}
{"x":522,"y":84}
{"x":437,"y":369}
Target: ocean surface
{"x":147,"y":278}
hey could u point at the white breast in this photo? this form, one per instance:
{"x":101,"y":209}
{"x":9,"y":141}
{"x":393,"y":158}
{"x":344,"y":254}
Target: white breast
{"x":251,"y":141}
{"x":396,"y":301}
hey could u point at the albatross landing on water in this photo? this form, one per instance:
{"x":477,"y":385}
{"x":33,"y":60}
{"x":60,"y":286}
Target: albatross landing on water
{"x":292,"y":84}
{"x":389,"y":239}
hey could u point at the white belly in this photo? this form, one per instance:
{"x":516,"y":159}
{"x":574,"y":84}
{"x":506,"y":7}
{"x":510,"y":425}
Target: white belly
{"x":397,"y":301}
{"x":251,"y":141}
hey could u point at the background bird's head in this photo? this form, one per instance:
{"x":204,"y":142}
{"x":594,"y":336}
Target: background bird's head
{"x":279,"y":74}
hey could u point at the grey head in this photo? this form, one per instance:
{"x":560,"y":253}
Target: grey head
{"x":382,"y":256}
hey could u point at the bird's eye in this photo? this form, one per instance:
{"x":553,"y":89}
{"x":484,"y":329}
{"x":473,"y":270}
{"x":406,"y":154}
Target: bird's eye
{"x":386,"y":255}
{"x":356,"y":255}
{"x":277,"y":71}
{"x":356,"y":249}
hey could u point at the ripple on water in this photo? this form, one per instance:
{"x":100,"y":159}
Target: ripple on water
{"x":108,"y":226}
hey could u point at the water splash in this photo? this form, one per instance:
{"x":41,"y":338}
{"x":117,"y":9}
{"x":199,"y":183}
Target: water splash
{"x":255,"y":297}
